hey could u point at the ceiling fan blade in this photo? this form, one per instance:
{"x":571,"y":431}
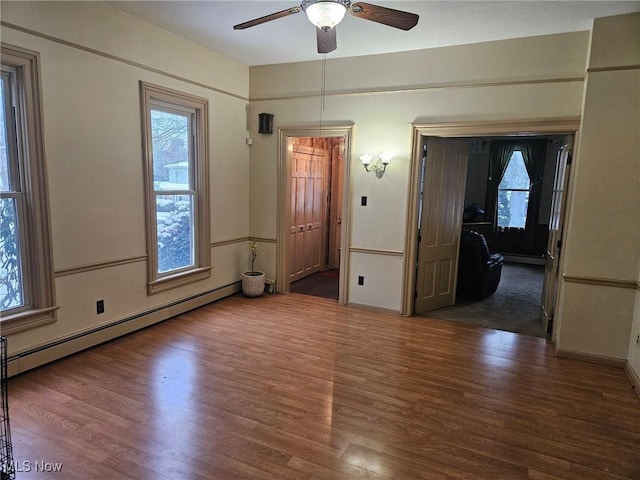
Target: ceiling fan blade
{"x":386,"y":16}
{"x":327,"y":41}
{"x":267,"y":18}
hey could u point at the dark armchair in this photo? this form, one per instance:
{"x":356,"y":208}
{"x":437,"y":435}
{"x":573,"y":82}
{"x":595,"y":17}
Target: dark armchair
{"x":478,"y":270}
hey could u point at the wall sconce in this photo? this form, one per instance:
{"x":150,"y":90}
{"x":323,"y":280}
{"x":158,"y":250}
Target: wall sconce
{"x":379,"y":166}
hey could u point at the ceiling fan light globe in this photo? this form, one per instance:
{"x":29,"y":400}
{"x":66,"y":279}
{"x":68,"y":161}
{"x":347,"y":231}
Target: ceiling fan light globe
{"x":325,"y":15}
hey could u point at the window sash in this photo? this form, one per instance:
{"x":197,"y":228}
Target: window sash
{"x":15,"y":275}
{"x":191,"y":131}
{"x":11,"y":175}
{"x":174,"y":247}
{"x":13,"y":238}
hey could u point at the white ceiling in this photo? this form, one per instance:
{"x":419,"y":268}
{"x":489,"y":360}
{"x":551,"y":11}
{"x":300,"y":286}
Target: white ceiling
{"x":292,"y":39}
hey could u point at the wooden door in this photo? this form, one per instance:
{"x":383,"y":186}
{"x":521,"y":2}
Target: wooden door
{"x":445,"y":175}
{"x":308,"y":211}
{"x":554,"y":245}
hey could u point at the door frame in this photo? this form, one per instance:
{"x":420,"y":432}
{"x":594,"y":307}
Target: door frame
{"x":345,"y":131}
{"x":420,"y":132}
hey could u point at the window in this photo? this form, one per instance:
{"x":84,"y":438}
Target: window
{"x":12,"y":204}
{"x":513,"y":193}
{"x":176,"y":174}
{"x":26,"y":267}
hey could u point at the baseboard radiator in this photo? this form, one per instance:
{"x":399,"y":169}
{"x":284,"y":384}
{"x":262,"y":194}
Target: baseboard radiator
{"x":60,"y":348}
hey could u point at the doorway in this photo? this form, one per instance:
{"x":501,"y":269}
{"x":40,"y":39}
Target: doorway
{"x":312,"y":216}
{"x":316,"y":215}
{"x":519,"y":224}
{"x":458,"y":131}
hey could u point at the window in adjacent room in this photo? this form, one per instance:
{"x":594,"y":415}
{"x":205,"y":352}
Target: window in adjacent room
{"x":513,"y":193}
{"x":26,"y":267}
{"x":176,"y":157}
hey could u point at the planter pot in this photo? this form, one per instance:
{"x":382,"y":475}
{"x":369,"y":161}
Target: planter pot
{"x":253,"y":284}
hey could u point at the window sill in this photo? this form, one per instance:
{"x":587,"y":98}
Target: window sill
{"x":178,"y":280}
{"x":19,"y":322}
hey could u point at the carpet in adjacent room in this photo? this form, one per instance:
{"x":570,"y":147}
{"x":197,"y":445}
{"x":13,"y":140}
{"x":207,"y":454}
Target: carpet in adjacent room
{"x":514,"y":307}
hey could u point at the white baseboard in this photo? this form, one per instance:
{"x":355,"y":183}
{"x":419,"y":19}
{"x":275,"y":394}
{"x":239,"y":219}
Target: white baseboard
{"x":374,"y":309}
{"x":34,"y":357}
{"x":588,"y":357}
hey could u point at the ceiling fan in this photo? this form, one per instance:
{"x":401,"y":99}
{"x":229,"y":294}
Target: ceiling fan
{"x":326,"y":14}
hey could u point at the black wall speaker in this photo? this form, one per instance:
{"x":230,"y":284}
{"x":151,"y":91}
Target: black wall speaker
{"x":265,"y":123}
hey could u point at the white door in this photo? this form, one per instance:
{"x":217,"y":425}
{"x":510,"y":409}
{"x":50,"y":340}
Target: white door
{"x":445,"y":176}
{"x":556,"y":220}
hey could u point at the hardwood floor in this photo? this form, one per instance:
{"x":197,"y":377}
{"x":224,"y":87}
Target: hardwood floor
{"x":299,"y":387}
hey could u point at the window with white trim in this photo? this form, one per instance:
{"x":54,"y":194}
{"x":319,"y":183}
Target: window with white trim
{"x":26,"y":268}
{"x":175,"y":129}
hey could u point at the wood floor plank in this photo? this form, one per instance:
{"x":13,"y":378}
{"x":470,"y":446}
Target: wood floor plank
{"x":301,"y":388}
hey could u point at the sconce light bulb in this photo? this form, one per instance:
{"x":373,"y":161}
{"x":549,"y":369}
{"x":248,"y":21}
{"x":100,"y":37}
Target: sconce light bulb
{"x":366,"y":158}
{"x":386,"y":157}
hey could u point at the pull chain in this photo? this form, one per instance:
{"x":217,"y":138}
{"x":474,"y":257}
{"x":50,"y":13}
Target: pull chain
{"x":323,"y":88}
{"x":324,"y":81}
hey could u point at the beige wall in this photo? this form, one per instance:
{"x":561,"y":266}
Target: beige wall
{"x":598,"y":312}
{"x":92,"y":60}
{"x":529,"y":78}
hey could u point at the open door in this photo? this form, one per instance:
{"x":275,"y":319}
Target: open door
{"x":556,"y":222}
{"x":308,"y":226}
{"x":442,"y":203}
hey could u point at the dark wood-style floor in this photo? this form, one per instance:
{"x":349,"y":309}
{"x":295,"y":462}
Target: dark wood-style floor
{"x":299,"y":387}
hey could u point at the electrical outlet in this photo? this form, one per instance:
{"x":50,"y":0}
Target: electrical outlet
{"x":360,"y":280}
{"x":638,"y":340}
{"x":100,"y":307}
